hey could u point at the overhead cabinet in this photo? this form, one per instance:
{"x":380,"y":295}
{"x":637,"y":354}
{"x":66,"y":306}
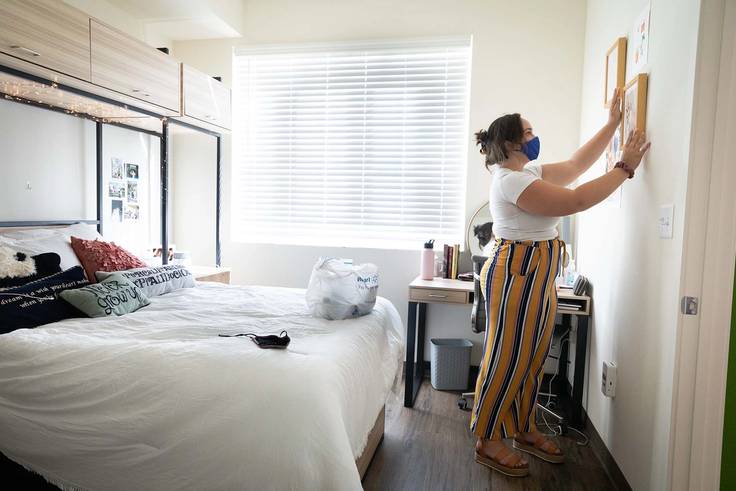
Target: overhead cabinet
{"x":55,"y":42}
{"x":128,"y":66}
{"x":204,"y":98}
{"x":47,"y":33}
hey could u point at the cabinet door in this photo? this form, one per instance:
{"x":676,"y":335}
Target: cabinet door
{"x":48,"y":33}
{"x":129,"y":66}
{"x":205,"y":98}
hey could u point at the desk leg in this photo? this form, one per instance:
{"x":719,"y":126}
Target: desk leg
{"x":420,"y":341}
{"x":414,"y":371}
{"x":581,"y":346}
{"x":411,"y":332}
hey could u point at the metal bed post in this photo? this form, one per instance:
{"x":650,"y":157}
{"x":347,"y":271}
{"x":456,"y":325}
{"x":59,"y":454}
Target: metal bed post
{"x":165,"y":192}
{"x":218,"y":252}
{"x":98,"y":146}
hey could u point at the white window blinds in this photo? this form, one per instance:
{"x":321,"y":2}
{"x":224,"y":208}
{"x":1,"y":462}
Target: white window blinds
{"x":351,"y":145}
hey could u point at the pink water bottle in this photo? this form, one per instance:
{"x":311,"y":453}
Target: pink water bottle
{"x":427,"y":266}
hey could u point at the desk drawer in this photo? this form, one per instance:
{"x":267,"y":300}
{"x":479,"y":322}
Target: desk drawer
{"x":437,"y":295}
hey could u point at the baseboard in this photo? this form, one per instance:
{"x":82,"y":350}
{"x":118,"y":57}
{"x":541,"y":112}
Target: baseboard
{"x":601,"y":451}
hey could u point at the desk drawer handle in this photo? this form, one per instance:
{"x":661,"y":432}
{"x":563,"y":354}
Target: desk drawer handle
{"x":27,"y":50}
{"x":435,"y":295}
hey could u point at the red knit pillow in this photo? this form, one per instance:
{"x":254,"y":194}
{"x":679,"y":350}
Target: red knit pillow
{"x":97,"y":255}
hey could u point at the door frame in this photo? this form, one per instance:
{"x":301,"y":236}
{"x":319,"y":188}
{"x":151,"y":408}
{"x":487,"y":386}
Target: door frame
{"x":709,"y":249}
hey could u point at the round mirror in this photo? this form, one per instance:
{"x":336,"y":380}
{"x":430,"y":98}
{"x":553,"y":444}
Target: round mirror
{"x":480,"y":231}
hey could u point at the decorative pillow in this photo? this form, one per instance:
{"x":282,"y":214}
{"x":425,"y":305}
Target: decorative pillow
{"x":98,"y":255}
{"x":156,"y":281}
{"x":18,"y":269}
{"x":37,"y":303}
{"x":113,"y":295}
{"x":53,"y":239}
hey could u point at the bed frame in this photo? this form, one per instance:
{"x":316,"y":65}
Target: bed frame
{"x":163,"y":135}
{"x":7,"y":466}
{"x":375,"y":437}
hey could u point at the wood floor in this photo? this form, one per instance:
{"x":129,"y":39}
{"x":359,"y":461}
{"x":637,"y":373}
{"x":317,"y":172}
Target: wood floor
{"x":430,"y":447}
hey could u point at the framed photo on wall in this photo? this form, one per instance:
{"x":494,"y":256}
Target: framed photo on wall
{"x":615,"y":69}
{"x":635,"y":104}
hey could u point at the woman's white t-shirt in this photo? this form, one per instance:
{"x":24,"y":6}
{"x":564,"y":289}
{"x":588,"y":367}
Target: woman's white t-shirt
{"x":510,"y":221}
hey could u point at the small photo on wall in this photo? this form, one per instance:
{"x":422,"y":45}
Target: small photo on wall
{"x":131,"y":171}
{"x":613,"y":150}
{"x":116,"y":210}
{"x":635,"y":105}
{"x":132,"y":192}
{"x":117,"y":190}
{"x":131,"y":212}
{"x":116,"y":169}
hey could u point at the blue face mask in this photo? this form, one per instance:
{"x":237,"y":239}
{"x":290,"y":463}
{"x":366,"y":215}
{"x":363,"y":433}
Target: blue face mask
{"x":531,"y":148}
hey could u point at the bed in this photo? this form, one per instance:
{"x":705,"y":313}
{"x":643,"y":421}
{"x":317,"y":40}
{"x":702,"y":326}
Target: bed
{"x":157,"y":400}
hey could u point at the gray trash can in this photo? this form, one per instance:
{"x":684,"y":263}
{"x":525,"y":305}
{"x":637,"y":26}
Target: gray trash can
{"x":450,"y":363}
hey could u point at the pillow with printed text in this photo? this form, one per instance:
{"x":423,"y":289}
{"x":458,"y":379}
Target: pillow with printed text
{"x":157,"y":280}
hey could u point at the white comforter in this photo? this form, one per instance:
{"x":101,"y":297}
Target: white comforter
{"x":156,"y":400}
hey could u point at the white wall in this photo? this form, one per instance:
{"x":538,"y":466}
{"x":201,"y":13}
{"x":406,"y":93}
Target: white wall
{"x":635,"y":274}
{"x":526,"y":59}
{"x":193,"y":194}
{"x":48,"y":152}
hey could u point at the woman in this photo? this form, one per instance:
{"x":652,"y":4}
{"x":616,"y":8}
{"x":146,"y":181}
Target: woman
{"x":518,"y":279}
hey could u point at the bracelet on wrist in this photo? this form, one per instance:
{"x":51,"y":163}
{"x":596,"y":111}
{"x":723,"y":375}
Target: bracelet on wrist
{"x":623,"y":165}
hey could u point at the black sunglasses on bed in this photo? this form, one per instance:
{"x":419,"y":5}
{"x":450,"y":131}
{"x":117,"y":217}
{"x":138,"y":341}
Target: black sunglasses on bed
{"x":267,"y":342}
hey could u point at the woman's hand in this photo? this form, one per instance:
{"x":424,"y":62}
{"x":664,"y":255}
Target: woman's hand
{"x":635,"y":148}
{"x":614,"y":113}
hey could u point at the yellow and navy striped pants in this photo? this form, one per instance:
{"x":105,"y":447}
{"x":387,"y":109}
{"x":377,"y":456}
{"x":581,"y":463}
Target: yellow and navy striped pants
{"x":518,"y":283}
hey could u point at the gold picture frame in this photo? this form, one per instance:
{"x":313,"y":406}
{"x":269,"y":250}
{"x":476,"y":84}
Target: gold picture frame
{"x":634,"y":105}
{"x":615,"y":73}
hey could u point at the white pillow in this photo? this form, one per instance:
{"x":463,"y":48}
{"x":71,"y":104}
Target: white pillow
{"x":56,"y":239}
{"x":155,"y":281}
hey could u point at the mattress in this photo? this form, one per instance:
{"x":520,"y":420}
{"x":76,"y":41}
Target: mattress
{"x":157,"y":400}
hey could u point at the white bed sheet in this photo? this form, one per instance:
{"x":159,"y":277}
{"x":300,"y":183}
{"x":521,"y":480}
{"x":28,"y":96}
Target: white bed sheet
{"x":156,"y":400}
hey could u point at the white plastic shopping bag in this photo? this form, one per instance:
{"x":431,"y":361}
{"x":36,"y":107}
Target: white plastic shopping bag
{"x":340,"y":290}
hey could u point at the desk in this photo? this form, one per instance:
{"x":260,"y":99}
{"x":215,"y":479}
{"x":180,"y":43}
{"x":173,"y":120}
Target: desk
{"x":422,"y":292}
{"x":444,"y":291}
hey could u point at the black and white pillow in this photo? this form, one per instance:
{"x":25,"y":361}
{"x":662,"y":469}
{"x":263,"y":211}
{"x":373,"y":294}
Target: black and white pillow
{"x":157,"y":280}
{"x":38,"y":303}
{"x":18,"y":268}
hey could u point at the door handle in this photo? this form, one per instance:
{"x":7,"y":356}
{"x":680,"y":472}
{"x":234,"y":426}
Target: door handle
{"x":27,"y":50}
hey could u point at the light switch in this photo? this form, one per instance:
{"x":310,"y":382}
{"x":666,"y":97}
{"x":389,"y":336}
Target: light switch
{"x":666,"y":216}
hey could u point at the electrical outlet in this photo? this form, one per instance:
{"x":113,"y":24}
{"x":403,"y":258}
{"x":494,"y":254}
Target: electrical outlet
{"x":608,"y":380}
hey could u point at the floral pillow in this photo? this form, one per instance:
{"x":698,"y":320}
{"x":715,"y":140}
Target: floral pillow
{"x":98,"y":255}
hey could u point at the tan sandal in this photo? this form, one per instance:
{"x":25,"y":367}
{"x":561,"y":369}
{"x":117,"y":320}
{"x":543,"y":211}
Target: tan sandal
{"x":503,"y":462}
{"x":537,"y":448}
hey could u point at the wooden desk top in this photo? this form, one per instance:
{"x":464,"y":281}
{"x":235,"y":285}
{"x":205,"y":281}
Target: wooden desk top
{"x":443,"y":284}
{"x":442,"y":290}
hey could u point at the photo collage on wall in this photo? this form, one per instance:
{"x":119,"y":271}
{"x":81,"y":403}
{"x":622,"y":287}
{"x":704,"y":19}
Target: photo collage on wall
{"x":633,"y":92}
{"x":123,"y":191}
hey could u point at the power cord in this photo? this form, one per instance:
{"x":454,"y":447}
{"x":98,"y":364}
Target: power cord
{"x":565,"y":338}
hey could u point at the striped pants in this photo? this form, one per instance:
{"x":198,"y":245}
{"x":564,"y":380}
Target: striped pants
{"x":518,"y":283}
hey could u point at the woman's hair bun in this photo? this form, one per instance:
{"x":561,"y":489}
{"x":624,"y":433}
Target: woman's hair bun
{"x":481,"y":138}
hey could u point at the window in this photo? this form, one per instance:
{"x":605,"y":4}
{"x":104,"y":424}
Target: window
{"x":361,"y":145}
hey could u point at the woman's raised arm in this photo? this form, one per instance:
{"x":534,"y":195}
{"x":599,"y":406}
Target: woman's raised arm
{"x":563,"y":173}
